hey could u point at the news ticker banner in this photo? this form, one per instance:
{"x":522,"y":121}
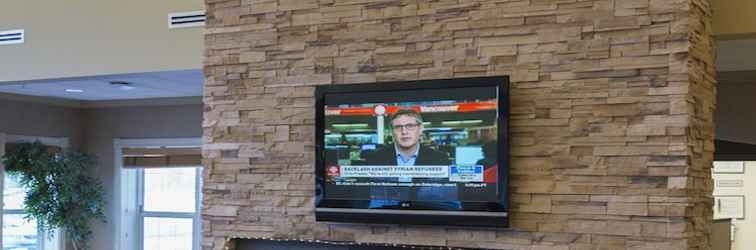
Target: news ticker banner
{"x":453,"y":173}
{"x":391,"y":109}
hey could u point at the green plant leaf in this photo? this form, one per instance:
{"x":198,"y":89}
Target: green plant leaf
{"x":60,"y":194}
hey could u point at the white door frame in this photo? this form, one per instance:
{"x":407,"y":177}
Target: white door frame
{"x":125,"y":212}
{"x":58,"y":241}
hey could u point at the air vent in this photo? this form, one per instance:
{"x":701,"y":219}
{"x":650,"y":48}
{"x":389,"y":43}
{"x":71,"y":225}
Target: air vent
{"x":186,"y":19}
{"x":11,"y":37}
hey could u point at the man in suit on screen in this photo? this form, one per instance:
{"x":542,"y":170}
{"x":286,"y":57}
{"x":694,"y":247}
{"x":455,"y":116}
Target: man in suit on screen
{"x":407,"y":127}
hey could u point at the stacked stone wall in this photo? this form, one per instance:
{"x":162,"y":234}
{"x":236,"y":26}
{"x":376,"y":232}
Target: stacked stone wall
{"x":611,"y":113}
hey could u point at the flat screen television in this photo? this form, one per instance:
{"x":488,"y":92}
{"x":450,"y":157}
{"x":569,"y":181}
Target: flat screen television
{"x":432,"y":152}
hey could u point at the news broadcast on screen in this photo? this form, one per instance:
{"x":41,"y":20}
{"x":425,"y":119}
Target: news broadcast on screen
{"x":432,"y":152}
{"x":439,"y":150}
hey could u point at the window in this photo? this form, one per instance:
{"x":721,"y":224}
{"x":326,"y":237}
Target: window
{"x":169,"y":202}
{"x":17,"y":232}
{"x":158,"y":193}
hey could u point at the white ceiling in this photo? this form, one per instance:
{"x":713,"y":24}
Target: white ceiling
{"x":736,"y":55}
{"x":179,"y":83}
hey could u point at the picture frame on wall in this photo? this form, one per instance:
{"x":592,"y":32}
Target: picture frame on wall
{"x":729,"y":207}
{"x":729,"y":167}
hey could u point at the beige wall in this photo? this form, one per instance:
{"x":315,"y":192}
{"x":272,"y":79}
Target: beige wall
{"x":82,"y":38}
{"x":744,"y":229}
{"x":39,"y":119}
{"x":734,"y":18}
{"x":105,"y":124}
{"x":720,"y":235}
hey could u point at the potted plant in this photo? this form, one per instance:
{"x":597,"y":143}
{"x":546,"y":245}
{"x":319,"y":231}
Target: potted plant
{"x":60,"y":193}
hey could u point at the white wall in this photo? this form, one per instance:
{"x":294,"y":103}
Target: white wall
{"x":746,"y":228}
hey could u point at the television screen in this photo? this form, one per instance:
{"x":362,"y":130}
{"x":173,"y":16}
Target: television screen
{"x":436,"y":145}
{"x":469,"y":155}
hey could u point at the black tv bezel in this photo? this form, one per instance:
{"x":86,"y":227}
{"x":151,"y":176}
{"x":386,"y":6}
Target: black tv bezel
{"x":479,"y":214}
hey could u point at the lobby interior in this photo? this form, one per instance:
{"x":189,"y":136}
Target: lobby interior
{"x":630,"y":128}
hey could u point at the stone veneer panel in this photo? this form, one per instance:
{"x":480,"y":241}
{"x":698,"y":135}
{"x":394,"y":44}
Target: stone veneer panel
{"x":611,"y":123}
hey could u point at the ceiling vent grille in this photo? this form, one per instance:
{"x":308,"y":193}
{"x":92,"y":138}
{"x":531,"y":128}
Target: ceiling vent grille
{"x":11,"y":37}
{"x":186,"y":19}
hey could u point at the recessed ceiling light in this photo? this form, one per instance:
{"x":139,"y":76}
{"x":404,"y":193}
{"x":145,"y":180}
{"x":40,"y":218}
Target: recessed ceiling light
{"x":462,"y":122}
{"x":75,"y":90}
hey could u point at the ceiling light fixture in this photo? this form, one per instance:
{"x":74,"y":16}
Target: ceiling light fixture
{"x":122,"y":85}
{"x":351,"y":126}
{"x":462,"y":122}
{"x":75,"y":90}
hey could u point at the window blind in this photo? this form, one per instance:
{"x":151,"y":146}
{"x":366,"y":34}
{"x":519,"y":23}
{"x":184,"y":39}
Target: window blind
{"x":164,"y":157}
